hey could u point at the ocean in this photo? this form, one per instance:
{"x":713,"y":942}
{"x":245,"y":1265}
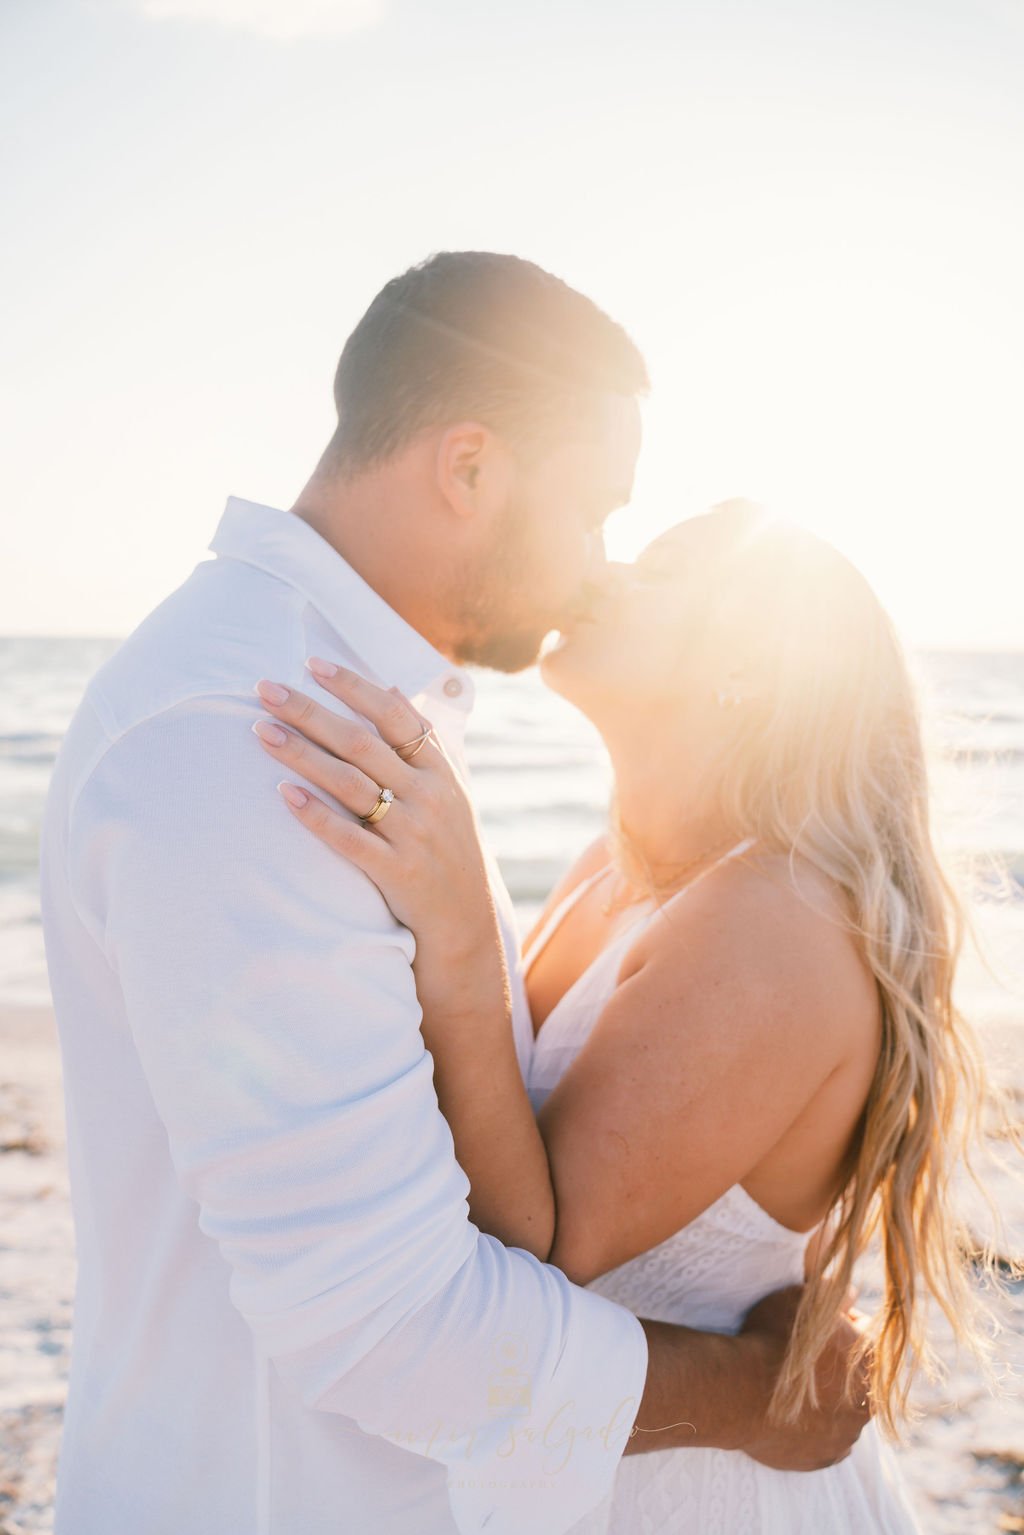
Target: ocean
{"x":542,"y":783}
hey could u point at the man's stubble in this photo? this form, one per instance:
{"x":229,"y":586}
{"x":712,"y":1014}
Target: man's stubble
{"x":500,"y":624}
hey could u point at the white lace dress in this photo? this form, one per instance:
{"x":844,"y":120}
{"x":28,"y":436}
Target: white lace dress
{"x":708,"y":1275}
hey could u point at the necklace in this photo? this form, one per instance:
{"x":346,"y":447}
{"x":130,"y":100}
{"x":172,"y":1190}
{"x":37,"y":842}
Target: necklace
{"x":609,"y":906}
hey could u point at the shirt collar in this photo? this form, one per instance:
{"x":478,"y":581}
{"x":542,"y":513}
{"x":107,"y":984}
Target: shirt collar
{"x":285,"y":546}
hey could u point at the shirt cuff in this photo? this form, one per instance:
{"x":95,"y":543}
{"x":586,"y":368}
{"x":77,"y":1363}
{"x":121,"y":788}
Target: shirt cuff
{"x":549,"y":1457}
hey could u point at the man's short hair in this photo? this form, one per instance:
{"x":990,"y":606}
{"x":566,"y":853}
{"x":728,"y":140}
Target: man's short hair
{"x":472,"y":335}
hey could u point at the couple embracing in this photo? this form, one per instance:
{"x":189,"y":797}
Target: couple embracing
{"x":385,"y":1227}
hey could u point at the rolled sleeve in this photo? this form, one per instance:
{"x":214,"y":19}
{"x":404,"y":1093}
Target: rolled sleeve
{"x":270,"y":996}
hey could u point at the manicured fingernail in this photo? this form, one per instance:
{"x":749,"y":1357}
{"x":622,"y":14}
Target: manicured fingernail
{"x":272,"y":692}
{"x":293,"y":794}
{"x":269,"y":732}
{"x":321,"y":668}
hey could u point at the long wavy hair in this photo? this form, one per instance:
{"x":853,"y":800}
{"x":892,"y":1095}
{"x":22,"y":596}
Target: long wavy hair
{"x":823,"y":757}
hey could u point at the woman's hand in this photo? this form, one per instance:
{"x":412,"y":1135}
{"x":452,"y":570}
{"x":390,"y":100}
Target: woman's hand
{"x":424,"y":853}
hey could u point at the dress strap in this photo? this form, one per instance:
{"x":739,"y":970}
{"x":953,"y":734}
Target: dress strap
{"x":734,"y":852}
{"x":559,"y":912}
{"x":677,"y":895}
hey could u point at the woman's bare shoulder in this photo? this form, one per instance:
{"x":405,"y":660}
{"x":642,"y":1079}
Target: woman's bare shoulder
{"x":779,"y":922}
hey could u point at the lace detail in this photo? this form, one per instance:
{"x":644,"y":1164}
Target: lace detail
{"x":704,"y":1274}
{"x":708,"y":1275}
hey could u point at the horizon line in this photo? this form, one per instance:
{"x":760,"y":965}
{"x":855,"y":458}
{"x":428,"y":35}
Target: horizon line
{"x":933,"y":647}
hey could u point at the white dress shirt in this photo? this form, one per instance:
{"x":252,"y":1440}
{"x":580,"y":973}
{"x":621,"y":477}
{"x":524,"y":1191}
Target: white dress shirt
{"x":285,"y":1322}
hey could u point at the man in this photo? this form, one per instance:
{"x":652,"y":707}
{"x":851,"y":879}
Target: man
{"x":285,"y":1322}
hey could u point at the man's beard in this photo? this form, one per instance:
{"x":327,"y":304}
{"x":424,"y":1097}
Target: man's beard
{"x":498,"y":628}
{"x":506,"y":651}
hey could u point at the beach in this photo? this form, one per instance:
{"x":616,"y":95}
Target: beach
{"x":37,"y":1275}
{"x":542,"y":785}
{"x":964,"y":1460}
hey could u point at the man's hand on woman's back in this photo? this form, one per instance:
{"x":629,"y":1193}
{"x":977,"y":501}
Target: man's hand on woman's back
{"x":821,"y":1435}
{"x":712,"y":1390}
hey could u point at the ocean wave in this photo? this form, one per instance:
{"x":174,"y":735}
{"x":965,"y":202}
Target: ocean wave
{"x":43,"y":745}
{"x":497,"y":757}
{"x":999,"y":876}
{"x":582,"y":808}
{"x":531,"y":879}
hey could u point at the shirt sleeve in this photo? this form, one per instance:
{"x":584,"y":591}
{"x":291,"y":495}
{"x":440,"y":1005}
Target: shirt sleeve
{"x":270,"y":996}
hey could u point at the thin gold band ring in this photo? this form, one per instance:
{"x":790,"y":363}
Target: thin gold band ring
{"x":416,"y":745}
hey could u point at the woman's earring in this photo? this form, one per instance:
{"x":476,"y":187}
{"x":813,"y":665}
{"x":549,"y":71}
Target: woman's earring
{"x":729,"y":696}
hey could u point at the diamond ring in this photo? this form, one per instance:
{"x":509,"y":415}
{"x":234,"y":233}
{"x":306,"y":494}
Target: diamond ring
{"x":381,"y":808}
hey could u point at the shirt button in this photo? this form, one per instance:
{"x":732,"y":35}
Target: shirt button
{"x":453,"y":687}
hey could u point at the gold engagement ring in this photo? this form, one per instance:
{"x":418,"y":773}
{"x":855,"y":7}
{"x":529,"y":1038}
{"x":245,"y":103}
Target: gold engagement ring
{"x":381,"y":808}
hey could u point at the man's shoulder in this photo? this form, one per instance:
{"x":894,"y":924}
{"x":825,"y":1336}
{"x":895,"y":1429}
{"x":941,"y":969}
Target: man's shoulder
{"x":225,"y":626}
{"x":182,"y":682}
{"x":183,"y":797}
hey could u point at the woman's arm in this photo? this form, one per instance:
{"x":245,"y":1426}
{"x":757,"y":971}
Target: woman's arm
{"x":425,"y":856}
{"x":467,"y":1027}
{"x":743,"y":1024}
{"x":462,"y":987}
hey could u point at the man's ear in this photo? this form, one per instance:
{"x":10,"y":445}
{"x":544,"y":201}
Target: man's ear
{"x":473,"y":469}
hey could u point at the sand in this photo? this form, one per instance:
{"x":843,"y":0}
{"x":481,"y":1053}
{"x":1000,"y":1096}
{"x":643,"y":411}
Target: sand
{"x":964,"y":1462}
{"x":37,"y":1269}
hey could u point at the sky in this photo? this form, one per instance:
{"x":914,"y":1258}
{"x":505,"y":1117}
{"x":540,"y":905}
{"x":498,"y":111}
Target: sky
{"x":808,"y":213}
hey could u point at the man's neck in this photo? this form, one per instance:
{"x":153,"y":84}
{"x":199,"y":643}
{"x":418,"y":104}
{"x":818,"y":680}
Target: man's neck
{"x":373,"y":522}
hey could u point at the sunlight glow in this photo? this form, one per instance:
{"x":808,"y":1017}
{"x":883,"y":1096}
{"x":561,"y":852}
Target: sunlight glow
{"x":802,"y":214}
{"x":838,"y":416}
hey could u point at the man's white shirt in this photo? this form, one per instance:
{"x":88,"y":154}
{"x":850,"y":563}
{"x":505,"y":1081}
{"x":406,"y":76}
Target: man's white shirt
{"x":285,"y":1322}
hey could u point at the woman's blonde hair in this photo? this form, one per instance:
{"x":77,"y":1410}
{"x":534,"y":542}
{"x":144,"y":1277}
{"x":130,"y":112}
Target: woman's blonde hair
{"x":823,"y":757}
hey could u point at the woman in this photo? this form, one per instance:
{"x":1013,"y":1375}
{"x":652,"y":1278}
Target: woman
{"x":747,"y":1056}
